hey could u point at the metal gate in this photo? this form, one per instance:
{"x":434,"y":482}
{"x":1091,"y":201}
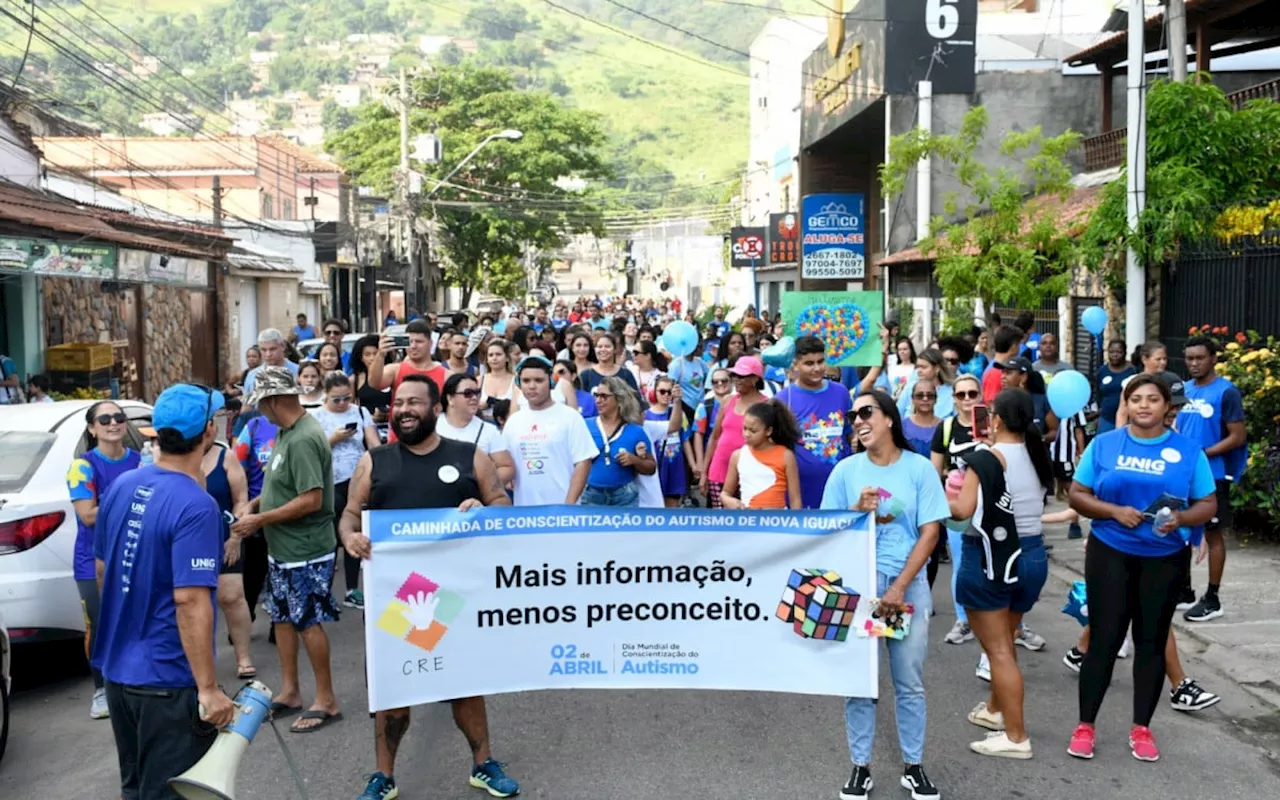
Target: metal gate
{"x":204,"y":338}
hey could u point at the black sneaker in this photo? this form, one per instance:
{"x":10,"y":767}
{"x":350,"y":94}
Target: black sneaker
{"x":1208,"y":608}
{"x":1073,"y":659}
{"x":1190,"y":697}
{"x":1186,"y":598}
{"x":859,"y":785}
{"x":1074,"y":531}
{"x":921,"y":787}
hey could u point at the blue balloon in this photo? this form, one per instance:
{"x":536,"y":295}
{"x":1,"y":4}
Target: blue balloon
{"x":780,"y":354}
{"x":1069,"y":393}
{"x":500,"y":327}
{"x":1077,"y":603}
{"x":680,"y":338}
{"x":1094,"y":320}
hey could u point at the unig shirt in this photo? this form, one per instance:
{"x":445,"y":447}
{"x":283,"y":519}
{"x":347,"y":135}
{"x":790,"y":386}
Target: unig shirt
{"x":825,"y":427}
{"x":606,"y":472}
{"x":157,"y":531}
{"x":1128,"y":471}
{"x":1204,"y":418}
{"x":910,"y":496}
{"x":89,"y":478}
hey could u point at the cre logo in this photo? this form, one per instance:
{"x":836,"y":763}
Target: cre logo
{"x":421,"y":612}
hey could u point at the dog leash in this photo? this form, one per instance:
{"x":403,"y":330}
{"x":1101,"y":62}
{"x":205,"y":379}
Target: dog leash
{"x":288,"y":757}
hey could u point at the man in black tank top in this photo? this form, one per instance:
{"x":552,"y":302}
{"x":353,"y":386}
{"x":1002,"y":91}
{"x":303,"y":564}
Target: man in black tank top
{"x":423,"y":470}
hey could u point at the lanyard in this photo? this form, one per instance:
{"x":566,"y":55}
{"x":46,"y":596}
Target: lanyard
{"x":609,"y":440}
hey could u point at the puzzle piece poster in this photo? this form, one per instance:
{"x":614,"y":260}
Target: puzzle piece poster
{"x":849,"y":322}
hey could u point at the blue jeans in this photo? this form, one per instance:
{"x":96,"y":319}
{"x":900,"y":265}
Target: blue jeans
{"x":625,"y":495}
{"x":955,"y":543}
{"x":906,"y":665}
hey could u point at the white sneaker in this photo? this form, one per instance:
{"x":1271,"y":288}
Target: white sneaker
{"x":983,"y":718}
{"x":1029,"y":639}
{"x":1126,"y":649}
{"x":984,"y":668}
{"x":98,"y":709}
{"x":959,"y":633}
{"x":998,"y":745}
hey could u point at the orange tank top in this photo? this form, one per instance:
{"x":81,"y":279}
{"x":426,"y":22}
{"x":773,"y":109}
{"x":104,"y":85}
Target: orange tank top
{"x":762,"y":477}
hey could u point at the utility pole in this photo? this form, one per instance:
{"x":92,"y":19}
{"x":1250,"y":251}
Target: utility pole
{"x":1135,"y":269}
{"x":1176,"y":15}
{"x":411,"y":284}
{"x":217,"y":201}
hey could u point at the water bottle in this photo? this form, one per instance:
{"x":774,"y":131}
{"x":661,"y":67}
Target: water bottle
{"x":1163,"y":517}
{"x":147,"y":457}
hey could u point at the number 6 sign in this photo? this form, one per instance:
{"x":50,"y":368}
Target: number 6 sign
{"x":942,"y":18}
{"x":940,"y":50}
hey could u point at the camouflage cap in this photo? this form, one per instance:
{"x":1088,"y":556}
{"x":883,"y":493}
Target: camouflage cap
{"x":272,"y":382}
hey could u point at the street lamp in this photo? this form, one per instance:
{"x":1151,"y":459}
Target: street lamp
{"x":510,"y":134}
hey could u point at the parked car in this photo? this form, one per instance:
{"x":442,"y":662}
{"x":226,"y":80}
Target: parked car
{"x":6,"y":673}
{"x":308,"y":347}
{"x":38,"y":595}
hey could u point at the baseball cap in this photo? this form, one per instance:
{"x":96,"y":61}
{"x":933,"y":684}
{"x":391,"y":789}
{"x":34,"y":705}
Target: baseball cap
{"x":1017,"y":364}
{"x":533,"y":359}
{"x":1176,"y":387}
{"x":272,"y":382}
{"x":186,"y":408}
{"x":476,"y":337}
{"x":748,"y":365}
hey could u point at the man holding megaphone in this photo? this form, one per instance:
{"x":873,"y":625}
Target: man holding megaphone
{"x":158,"y":546}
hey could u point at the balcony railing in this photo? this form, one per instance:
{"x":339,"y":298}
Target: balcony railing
{"x":1108,"y":149}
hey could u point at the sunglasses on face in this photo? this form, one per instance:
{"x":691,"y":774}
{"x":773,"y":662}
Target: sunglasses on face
{"x":663,"y":392}
{"x":865,"y":413}
{"x":107,"y":419}
{"x":971,"y":394}
{"x":952,"y":360}
{"x":470,"y":394}
{"x":601,"y":395}
{"x":340,"y":398}
{"x":720,"y":382}
{"x":333,"y":332}
{"x":924,"y":396}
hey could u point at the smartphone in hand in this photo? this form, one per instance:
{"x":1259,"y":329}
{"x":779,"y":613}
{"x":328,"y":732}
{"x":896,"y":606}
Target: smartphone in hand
{"x":981,"y":422}
{"x":351,"y":426}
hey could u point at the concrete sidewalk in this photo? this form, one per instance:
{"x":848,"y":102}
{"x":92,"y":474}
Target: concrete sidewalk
{"x":1243,"y":645}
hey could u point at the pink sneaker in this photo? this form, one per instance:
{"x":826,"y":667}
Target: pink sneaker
{"x":1081,"y":741}
{"x":1143,"y":744}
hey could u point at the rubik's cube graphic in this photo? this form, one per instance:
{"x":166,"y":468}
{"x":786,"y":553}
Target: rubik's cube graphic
{"x":404,"y":620}
{"x":817,"y":606}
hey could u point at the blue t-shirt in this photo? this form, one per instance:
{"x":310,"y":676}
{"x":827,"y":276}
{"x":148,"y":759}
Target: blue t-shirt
{"x":825,"y":428}
{"x":918,"y":436}
{"x":252,"y":377}
{"x":910,"y":496}
{"x":89,"y":478}
{"x":1204,"y":418}
{"x":1110,"y":386}
{"x":722,"y":329}
{"x":253,"y":451}
{"x":157,"y":531}
{"x":1128,"y":471}
{"x":301,"y":333}
{"x":612,"y":474}
{"x":586,"y":403}
{"x":691,"y":374}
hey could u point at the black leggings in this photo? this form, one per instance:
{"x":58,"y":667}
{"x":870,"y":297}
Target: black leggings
{"x":935,"y":558}
{"x":350,"y":566}
{"x":255,"y":571}
{"x":1123,"y":588}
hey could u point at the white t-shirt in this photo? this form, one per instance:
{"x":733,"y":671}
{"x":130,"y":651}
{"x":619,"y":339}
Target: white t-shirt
{"x":487,"y":438}
{"x":545,"y":445}
{"x":346,"y":454}
{"x":650,"y":486}
{"x":1024,"y":488}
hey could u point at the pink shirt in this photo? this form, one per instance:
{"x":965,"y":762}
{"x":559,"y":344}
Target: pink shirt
{"x":730,"y":441}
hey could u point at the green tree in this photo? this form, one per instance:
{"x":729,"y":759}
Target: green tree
{"x":281,"y":113}
{"x":1202,"y":154}
{"x":502,"y":21}
{"x":1007,"y":249}
{"x":513,"y":200}
{"x":334,"y":117}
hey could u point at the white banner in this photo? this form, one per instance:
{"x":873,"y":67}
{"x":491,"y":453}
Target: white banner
{"x":565,"y":597}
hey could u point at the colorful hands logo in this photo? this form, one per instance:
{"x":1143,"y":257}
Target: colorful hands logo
{"x":421,"y":612}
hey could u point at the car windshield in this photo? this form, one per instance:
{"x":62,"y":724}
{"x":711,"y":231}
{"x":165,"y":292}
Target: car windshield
{"x":23,"y":452}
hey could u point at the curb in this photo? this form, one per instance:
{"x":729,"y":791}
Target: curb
{"x":1248,"y":673}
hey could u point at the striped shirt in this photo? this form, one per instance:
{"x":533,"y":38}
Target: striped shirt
{"x":1063,"y":449}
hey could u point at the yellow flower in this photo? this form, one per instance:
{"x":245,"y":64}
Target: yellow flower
{"x":1233,"y":345}
{"x":1249,"y":368}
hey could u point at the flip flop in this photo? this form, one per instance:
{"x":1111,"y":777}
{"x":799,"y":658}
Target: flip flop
{"x":247,"y":674}
{"x":281,"y":711}
{"x":316,"y":713}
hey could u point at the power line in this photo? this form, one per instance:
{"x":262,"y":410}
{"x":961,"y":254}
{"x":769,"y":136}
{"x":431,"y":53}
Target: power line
{"x":27,"y":50}
{"x":677,"y":28}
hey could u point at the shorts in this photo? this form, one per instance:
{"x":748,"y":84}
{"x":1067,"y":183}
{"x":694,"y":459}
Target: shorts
{"x":976,"y":593}
{"x":300,"y":593}
{"x":1224,"y":516}
{"x":1063,"y":470}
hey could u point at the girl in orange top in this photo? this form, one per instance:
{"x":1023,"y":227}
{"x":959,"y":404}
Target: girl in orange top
{"x":763,"y":473}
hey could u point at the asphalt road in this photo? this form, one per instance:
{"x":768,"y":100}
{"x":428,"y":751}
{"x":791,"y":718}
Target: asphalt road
{"x":652,"y":745}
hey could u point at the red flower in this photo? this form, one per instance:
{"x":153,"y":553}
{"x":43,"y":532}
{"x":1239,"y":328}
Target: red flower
{"x":1194,"y":330}
{"x":1241,"y":338}
{"x":1205,"y":328}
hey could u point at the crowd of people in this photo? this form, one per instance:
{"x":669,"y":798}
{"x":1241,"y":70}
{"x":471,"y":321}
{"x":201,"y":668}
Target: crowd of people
{"x":954,"y":449}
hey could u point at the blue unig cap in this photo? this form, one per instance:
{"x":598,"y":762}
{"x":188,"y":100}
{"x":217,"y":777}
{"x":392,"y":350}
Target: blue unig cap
{"x":187,"y":408}
{"x":535,"y":360}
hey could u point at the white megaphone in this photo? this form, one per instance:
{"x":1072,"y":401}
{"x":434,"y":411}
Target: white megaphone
{"x":214,"y":776}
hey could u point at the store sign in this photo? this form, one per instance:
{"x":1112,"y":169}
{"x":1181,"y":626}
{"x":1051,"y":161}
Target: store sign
{"x":784,"y":238}
{"x":748,"y":247}
{"x":833,"y":245}
{"x":931,"y":40}
{"x":47,"y":257}
{"x":834,"y":89}
{"x":143,"y":266}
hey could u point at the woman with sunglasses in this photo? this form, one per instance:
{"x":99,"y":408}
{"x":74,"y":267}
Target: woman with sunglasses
{"x":311,"y":379}
{"x":624,"y":447}
{"x":952,"y":441}
{"x":647,"y":365}
{"x":88,"y":479}
{"x":460,"y":422}
{"x":663,"y":421}
{"x":923,"y":422}
{"x":726,"y":436}
{"x":329,"y":357}
{"x":351,"y":431}
{"x":902,"y":490}
{"x":1146,"y":488}
{"x":1000,"y":580}
{"x":704,"y":417}
{"x":931,"y":366}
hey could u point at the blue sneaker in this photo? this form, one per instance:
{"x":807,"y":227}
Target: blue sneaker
{"x":491,"y":777}
{"x":380,"y":788}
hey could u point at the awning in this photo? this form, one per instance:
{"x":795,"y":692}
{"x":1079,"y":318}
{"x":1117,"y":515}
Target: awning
{"x":247,"y":256}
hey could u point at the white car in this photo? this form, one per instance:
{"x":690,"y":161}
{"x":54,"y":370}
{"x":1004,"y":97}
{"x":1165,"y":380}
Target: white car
{"x":6,"y":671}
{"x":38,"y":597}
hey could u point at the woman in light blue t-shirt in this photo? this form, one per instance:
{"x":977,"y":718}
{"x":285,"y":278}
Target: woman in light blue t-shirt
{"x":902,"y":489}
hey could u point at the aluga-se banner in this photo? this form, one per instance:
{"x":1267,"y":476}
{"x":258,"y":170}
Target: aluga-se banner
{"x":499,"y":600}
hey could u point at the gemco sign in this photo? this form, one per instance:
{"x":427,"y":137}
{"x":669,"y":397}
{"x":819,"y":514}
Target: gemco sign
{"x":833,"y":243}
